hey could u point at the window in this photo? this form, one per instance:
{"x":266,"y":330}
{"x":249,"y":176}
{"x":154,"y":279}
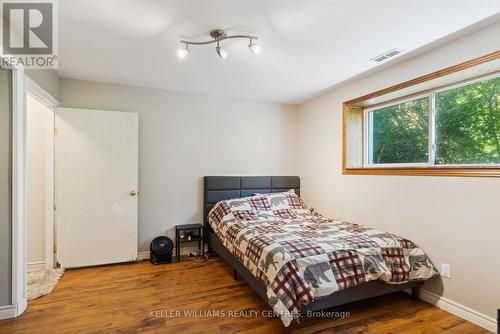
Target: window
{"x":399,"y":134}
{"x":468,"y":124}
{"x":450,"y":126}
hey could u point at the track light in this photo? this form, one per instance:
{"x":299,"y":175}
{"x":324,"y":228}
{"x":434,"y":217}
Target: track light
{"x":220,"y":35}
{"x":221,"y":52}
{"x":255,"y":48}
{"x":183,"y":52}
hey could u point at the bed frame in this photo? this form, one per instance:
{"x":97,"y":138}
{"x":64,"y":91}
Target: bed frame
{"x":219,"y":188}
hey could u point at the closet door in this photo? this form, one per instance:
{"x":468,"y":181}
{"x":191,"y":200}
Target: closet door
{"x":96,"y":186}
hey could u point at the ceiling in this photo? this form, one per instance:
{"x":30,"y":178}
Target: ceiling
{"x":307,"y":46}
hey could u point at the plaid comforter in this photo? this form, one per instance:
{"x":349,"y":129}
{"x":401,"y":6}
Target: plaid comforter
{"x":300,"y":255}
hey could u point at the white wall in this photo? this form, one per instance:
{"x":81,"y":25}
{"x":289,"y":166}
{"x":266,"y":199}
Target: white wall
{"x":38,"y":130}
{"x":47,"y":79}
{"x":183,"y":137}
{"x":455,"y":220}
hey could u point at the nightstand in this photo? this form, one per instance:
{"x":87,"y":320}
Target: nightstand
{"x":197,"y":235}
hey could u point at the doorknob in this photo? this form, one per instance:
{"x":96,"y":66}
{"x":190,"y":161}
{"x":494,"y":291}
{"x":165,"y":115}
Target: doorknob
{"x":133,"y":193}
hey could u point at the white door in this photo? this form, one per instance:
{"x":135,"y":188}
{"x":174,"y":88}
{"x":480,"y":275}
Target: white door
{"x":96,"y":169}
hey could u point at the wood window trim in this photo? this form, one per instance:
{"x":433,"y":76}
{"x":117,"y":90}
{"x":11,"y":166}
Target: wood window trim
{"x":482,"y":171}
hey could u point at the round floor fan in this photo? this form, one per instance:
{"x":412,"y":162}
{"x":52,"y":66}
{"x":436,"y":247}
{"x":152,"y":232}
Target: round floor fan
{"x":160,"y":250}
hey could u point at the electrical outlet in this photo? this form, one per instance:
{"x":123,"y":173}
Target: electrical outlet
{"x":446,"y":270}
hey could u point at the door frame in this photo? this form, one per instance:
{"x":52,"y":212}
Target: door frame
{"x":19,"y":300}
{"x":44,"y":97}
{"x":20,"y":82}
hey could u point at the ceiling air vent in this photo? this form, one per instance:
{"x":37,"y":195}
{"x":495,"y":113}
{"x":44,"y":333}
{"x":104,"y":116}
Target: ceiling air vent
{"x":386,"y":55}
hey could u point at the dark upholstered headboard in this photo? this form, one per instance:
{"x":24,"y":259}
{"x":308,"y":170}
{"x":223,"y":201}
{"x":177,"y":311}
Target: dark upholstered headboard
{"x":220,"y":188}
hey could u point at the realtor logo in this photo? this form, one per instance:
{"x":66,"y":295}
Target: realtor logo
{"x":27,"y":28}
{"x":28,"y":35}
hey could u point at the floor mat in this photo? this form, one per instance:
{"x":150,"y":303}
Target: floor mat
{"x":42,"y":282}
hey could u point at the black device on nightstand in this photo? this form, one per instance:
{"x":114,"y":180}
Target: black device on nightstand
{"x":188,"y":233}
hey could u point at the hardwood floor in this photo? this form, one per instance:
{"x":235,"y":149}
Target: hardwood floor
{"x":138,"y":297}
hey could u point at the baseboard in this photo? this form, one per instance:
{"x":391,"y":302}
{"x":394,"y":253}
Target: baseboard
{"x":8,"y":311}
{"x":459,"y":310}
{"x":143,"y":256}
{"x":35,"y":266}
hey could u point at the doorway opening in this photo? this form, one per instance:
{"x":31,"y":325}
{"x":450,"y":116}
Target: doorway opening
{"x":39,"y":185}
{"x":40,"y":223}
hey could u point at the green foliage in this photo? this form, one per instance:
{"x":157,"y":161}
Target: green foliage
{"x":468,"y":124}
{"x":467,"y":127}
{"x":401,"y":133}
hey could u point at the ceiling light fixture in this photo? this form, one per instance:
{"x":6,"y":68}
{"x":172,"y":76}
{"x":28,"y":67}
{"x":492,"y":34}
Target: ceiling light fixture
{"x":183,"y":52}
{"x":255,"y":48}
{"x":219,"y":35}
{"x":221,"y":52}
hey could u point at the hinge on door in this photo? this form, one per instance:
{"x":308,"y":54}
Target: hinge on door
{"x":55,"y":249}
{"x":56,"y":131}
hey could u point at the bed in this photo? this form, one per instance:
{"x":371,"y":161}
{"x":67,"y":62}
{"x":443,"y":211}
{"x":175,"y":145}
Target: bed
{"x":297,"y":260}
